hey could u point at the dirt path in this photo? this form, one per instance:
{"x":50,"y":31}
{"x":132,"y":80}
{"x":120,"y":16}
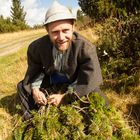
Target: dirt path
{"x":11,"y":42}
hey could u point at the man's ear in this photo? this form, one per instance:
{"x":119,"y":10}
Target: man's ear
{"x":73,"y":27}
{"x":46,"y":27}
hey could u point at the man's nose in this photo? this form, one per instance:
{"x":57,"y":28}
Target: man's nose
{"x":61,"y":36}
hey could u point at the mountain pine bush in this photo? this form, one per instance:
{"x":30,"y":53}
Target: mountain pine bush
{"x":84,"y":119}
{"x":119,"y":52}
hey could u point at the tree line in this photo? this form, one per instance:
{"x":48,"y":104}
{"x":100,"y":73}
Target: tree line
{"x":17,"y":20}
{"x":102,"y":9}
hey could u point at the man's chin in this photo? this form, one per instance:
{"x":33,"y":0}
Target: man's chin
{"x":63,"y":47}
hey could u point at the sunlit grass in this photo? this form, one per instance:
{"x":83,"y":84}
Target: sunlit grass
{"x":6,"y":37}
{"x":121,"y":101}
{"x":12,"y":70}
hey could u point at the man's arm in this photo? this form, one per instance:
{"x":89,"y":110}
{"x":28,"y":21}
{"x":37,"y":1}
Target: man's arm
{"x":89,"y":73}
{"x":34,"y":75}
{"x":38,"y":81}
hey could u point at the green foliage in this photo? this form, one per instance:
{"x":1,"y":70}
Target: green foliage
{"x":85,"y":119}
{"x":6,"y":25}
{"x":119,"y":43}
{"x":18,"y":15}
{"x":17,"y":20}
{"x":89,"y":7}
{"x":119,"y":52}
{"x":101,"y":9}
{"x":80,"y":16}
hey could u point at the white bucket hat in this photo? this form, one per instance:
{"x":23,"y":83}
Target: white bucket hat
{"x":58,"y":12}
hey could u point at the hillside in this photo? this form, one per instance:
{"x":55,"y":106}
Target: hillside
{"x":13,"y":47}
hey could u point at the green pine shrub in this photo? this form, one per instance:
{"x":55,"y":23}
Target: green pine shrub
{"x":119,"y":53}
{"x":84,"y":119}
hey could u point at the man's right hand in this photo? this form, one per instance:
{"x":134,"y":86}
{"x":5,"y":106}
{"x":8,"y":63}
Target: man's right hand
{"x":39,"y":96}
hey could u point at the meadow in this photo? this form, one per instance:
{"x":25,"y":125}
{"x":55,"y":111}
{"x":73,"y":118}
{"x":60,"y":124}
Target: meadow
{"x":13,"y":65}
{"x":13,"y":47}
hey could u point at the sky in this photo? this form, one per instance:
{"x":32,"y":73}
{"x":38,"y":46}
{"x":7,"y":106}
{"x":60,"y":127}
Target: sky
{"x":35,"y":9}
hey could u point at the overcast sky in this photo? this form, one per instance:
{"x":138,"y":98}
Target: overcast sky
{"x":35,"y":9}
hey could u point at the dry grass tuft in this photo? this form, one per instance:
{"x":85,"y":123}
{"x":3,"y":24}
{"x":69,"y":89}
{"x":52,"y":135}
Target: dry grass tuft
{"x":5,"y":124}
{"x":128,"y":105}
{"x":90,"y":34}
{"x":12,"y":72}
{"x":121,"y":101}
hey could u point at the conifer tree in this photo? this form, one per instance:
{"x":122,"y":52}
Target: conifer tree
{"x":100,"y":9}
{"x":18,"y":14}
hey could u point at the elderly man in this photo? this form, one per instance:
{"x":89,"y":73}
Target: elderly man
{"x":61,"y":57}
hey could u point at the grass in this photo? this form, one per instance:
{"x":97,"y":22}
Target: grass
{"x":7,"y":37}
{"x":13,"y":67}
{"x":90,"y":33}
{"x":5,"y":124}
{"x":128,"y":105}
{"x":12,"y":70}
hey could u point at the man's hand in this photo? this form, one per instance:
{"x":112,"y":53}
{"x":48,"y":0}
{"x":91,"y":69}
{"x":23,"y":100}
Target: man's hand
{"x":55,"y":99}
{"x":39,"y":96}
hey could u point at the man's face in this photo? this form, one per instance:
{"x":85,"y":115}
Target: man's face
{"x":60,"y":33}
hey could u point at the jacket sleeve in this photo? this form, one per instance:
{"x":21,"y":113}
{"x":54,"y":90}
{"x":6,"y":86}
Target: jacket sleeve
{"x":34,"y":67}
{"x":89,"y":72}
{"x":38,"y":81}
